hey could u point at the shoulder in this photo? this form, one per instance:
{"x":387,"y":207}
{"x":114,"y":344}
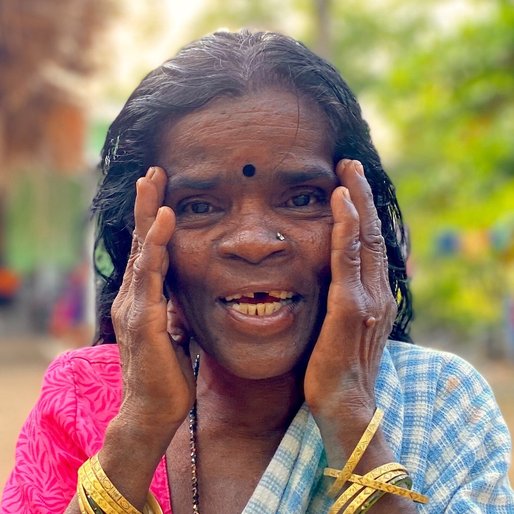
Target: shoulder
{"x":98,"y":362}
{"x":441,"y":369}
{"x":101,"y":356}
{"x":88,"y":378}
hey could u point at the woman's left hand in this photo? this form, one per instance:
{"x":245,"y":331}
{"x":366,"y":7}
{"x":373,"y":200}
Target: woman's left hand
{"x":341,"y":372}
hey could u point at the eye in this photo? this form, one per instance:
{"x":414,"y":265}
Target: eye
{"x":306,"y":199}
{"x":195,"y":207}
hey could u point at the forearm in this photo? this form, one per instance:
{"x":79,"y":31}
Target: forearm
{"x":130,"y":456}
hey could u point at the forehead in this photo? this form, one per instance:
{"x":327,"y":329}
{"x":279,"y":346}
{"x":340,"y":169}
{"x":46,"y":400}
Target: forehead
{"x":270,"y":129}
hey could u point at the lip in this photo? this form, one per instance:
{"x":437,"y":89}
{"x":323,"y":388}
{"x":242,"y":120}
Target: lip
{"x":260,"y":326}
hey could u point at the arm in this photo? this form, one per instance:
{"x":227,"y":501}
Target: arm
{"x":341,"y":373}
{"x":158,"y":382}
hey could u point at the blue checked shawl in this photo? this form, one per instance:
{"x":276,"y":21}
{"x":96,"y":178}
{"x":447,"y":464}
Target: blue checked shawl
{"x":442,"y":423}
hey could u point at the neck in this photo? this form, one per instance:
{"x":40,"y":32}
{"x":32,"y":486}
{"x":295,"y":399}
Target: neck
{"x":250,"y":408}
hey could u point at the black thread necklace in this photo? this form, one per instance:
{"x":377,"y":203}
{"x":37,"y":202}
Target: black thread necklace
{"x":193,"y":420}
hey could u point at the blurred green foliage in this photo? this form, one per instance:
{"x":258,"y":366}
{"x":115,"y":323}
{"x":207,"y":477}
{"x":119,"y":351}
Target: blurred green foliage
{"x":440,"y":77}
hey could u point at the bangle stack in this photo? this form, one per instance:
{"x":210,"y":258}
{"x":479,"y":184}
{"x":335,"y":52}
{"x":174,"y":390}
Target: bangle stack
{"x":98,"y":495}
{"x":367,"y":490}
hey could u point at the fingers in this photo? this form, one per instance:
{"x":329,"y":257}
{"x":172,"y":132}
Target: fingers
{"x":372,"y":250}
{"x":151,"y":265}
{"x":149,"y":197}
{"x":150,"y":191}
{"x":345,"y":247}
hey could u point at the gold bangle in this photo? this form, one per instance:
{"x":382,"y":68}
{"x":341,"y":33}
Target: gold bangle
{"x":357,"y":453}
{"x":367,"y":481}
{"x":351,"y":491}
{"x":94,"y":490}
{"x":84,"y":505}
{"x":120,"y":501}
{"x":384,"y":468}
{"x":94,"y":484}
{"x":390,"y":488}
{"x":152,"y":505}
{"x":364,"y":501}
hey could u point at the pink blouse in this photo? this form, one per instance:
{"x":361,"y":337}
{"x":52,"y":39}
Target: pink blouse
{"x":81,"y":393}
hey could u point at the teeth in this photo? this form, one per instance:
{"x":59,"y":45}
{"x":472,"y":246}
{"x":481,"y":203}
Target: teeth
{"x":233,"y":297}
{"x":283,"y":295}
{"x":270,"y":308}
{"x":257,"y":309}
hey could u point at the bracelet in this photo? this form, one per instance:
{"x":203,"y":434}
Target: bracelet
{"x":97,"y":494}
{"x":93,"y":494}
{"x":368,"y":489}
{"x":381,"y":486}
{"x":368,"y":496}
{"x":393,"y":488}
{"x":349,"y":493}
{"x":357,"y":453}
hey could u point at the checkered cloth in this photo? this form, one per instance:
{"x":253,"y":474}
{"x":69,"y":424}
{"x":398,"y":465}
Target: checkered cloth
{"x":442,"y":423}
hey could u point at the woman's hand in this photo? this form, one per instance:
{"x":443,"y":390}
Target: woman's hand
{"x":340,"y":376}
{"x":158,"y":383}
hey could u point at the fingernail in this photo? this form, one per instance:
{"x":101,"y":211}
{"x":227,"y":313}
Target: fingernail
{"x":160,"y":212}
{"x":358,"y":168}
{"x":151,"y":172}
{"x":346,"y":193}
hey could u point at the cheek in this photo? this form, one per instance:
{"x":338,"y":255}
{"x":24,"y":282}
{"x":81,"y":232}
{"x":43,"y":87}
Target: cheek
{"x":318,"y":243}
{"x":189,"y":260}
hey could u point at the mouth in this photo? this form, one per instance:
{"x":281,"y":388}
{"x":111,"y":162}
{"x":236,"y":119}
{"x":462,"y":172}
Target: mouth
{"x":260,"y":303}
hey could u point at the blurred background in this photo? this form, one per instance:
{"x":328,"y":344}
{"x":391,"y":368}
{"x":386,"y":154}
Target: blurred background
{"x":436,"y":82}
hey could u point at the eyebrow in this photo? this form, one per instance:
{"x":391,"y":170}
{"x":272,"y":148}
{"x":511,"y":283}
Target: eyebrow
{"x":291,"y":178}
{"x":287,"y":178}
{"x":182,"y":182}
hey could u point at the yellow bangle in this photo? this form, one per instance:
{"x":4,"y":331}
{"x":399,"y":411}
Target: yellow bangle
{"x":93,"y":484}
{"x":124,"y":506}
{"x":84,"y":506}
{"x":379,"y":485}
{"x":377,"y":481}
{"x":93,"y":490}
{"x":364,"y":501}
{"x":389,"y":488}
{"x":349,"y":493}
{"x":357,"y":453}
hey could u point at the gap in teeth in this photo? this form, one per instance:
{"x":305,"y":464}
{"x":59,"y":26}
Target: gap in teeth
{"x":282,"y":295}
{"x":258,"y":309}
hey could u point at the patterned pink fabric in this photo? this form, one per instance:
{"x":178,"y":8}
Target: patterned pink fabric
{"x":81,"y":393}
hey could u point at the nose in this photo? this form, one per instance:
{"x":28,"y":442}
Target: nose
{"x":253,"y":240}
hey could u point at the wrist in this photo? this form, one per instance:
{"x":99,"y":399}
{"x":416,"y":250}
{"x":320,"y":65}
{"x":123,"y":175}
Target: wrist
{"x":138,"y":436}
{"x":342,"y":434}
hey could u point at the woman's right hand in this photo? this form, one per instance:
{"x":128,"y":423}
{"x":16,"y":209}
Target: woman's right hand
{"x":158,"y":382}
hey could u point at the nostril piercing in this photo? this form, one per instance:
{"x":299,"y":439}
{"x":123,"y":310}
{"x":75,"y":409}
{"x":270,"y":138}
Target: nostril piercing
{"x":280,"y":237}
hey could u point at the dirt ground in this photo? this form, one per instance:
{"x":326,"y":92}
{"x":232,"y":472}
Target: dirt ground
{"x":23,"y":361}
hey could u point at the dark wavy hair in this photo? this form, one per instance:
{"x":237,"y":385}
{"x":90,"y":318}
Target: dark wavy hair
{"x":226,"y":64}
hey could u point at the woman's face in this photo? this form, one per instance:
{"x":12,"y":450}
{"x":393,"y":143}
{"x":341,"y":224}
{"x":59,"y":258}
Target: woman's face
{"x":240,"y":171}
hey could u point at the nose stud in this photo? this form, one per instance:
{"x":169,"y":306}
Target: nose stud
{"x":280,"y":237}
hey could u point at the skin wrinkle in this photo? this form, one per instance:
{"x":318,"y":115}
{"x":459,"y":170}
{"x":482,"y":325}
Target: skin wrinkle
{"x":247,"y":216}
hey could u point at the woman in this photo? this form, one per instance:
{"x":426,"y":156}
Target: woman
{"x":269,"y":251}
